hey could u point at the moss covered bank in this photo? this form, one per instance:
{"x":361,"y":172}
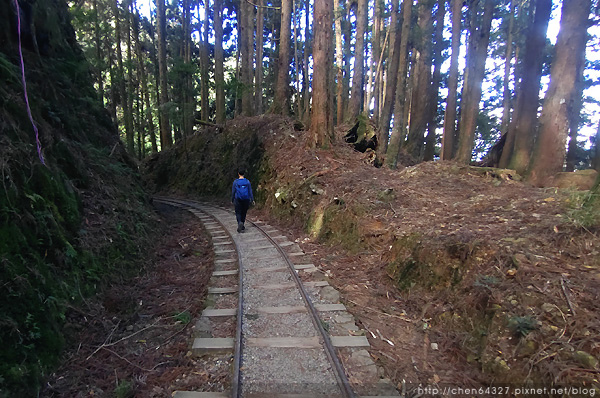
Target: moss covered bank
{"x":68,"y":226}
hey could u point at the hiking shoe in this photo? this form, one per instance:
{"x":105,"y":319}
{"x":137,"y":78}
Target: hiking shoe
{"x":240,"y":227}
{"x":243,"y":227}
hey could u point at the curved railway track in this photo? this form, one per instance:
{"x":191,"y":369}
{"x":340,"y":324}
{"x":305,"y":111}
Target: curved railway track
{"x":287,"y":352}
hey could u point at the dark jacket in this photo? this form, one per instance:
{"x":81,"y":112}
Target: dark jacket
{"x":241,"y":181}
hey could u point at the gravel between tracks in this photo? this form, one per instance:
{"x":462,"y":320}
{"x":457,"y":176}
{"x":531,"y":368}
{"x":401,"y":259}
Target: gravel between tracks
{"x":268,"y":370}
{"x":287,"y":371}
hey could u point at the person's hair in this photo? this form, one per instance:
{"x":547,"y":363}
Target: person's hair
{"x":241,"y":171}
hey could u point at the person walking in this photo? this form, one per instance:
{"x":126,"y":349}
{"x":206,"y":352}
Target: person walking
{"x":241,"y":197}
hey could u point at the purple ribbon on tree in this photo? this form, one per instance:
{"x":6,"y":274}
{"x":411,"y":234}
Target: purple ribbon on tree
{"x":37,"y":135}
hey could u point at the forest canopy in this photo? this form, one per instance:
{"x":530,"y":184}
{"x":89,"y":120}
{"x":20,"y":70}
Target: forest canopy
{"x":439,"y":79}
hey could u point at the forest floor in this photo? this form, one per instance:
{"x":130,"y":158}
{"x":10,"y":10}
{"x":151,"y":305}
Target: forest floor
{"x":135,"y":338}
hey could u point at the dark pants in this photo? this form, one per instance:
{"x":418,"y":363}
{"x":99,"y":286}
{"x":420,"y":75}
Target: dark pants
{"x":241,"y":208}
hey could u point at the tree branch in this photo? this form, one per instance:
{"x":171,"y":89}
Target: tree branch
{"x":566,"y":294}
{"x":209,"y":124}
{"x":257,"y":6}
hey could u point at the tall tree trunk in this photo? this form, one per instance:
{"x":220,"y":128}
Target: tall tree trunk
{"x":382,"y":86}
{"x":273,"y":57}
{"x":178,"y":88}
{"x":506,"y":95}
{"x":99,"y":57}
{"x":305,"y":73}
{"x":204,"y":68}
{"x":130,"y":94}
{"x":114,"y":91}
{"x":376,"y":82}
{"x":524,"y":19}
{"x":156,"y":91}
{"x":240,"y":9}
{"x":219,"y":59}
{"x":135,"y":93}
{"x":347,"y":31}
{"x":421,"y":89}
{"x":238,"y":75}
{"x":596,"y":153}
{"x":183,"y":75}
{"x":281,"y":100}
{"x":149,"y":116}
{"x":339,"y":64}
{"x":151,"y":127}
{"x":121,"y":78}
{"x":575,"y":114}
{"x":143,"y":79}
{"x":358,"y":87}
{"x":247,"y":52}
{"x":140,"y":124}
{"x":249,"y":93}
{"x":435,"y":82}
{"x":522,"y":131}
{"x":139,"y":97}
{"x":371,"y":62}
{"x":130,"y":82}
{"x":258,"y":71}
{"x":411,"y":63}
{"x":296,"y":65}
{"x":392,"y":76}
{"x":549,"y":153}
{"x":321,"y":126}
{"x":476,"y":56}
{"x":166,"y":138}
{"x":191,"y":93}
{"x":450,"y":113}
{"x":378,"y":57}
{"x":330,"y":74}
{"x":399,"y":130}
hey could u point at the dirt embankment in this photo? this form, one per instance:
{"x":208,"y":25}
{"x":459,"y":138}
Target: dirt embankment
{"x":462,"y":276}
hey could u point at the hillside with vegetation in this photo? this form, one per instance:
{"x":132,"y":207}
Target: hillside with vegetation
{"x":69,"y":224}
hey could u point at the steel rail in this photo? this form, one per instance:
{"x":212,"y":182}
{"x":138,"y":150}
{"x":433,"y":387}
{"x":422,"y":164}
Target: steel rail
{"x":339,"y":373}
{"x":236,"y":391}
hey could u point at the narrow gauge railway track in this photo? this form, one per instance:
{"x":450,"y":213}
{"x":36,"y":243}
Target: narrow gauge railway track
{"x":287,"y":352}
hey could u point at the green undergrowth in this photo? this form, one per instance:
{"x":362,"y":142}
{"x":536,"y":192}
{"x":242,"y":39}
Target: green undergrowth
{"x":583,"y":208}
{"x":416,"y":260}
{"x":41,"y":270}
{"x":71,"y":226}
{"x":336,"y":224}
{"x":206,"y":164}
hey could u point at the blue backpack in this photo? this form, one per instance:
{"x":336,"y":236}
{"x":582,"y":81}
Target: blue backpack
{"x":242,"y":191}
